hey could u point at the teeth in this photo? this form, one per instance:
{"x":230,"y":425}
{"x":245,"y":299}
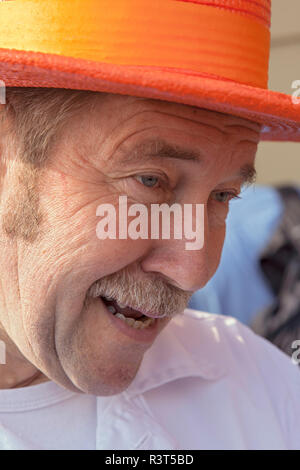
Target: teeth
{"x":122,"y":305}
{"x":111,"y":308}
{"x":139,"y":325}
{"x":130,"y":321}
{"x":120,"y":315}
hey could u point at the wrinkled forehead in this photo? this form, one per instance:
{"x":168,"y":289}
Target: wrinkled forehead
{"x":119,"y":118}
{"x":134,"y":104}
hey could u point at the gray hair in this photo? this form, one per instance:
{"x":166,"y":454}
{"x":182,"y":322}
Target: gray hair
{"x":36,"y":116}
{"x":29,"y":123}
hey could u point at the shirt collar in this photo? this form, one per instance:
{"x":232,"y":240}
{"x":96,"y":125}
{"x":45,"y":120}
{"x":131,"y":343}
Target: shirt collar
{"x":189,"y":346}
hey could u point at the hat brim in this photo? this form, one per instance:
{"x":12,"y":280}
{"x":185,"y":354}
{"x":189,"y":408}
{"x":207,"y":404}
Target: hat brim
{"x":277,"y":112}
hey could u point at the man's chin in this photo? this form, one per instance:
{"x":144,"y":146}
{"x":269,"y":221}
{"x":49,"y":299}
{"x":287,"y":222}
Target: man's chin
{"x":110,"y":383}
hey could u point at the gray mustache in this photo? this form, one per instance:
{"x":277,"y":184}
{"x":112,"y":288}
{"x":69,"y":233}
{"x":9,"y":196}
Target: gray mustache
{"x":149,"y":294}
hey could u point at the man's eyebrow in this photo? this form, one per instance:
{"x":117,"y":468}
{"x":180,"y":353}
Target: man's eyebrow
{"x":162,"y":149}
{"x":248,"y":174}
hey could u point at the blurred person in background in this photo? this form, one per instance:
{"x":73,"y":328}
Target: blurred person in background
{"x":258,"y":279}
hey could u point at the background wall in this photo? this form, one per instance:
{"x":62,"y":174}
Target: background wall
{"x":280,"y":162}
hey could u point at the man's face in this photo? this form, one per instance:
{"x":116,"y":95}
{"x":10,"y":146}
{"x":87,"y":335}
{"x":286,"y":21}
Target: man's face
{"x":122,"y":147}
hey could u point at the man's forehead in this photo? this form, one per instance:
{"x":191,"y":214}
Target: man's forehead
{"x":120,"y":122}
{"x":130,"y":104}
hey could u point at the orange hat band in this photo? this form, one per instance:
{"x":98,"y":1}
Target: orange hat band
{"x":175,"y":34}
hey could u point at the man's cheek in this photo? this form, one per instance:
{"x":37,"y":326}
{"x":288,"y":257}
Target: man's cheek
{"x":216,"y":244}
{"x":217,"y":215}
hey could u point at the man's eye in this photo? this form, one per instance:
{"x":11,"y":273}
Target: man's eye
{"x":224,"y":196}
{"x":148,"y":180}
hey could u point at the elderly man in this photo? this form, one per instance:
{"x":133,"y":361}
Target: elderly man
{"x":98,"y":354}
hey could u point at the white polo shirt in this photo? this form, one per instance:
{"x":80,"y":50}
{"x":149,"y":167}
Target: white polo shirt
{"x":207,"y":382}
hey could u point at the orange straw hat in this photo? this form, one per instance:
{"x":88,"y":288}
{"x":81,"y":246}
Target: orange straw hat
{"x":212,"y":54}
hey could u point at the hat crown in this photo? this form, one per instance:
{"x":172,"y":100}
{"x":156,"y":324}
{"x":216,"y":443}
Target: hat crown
{"x":260,"y":10}
{"x":224,"y":39}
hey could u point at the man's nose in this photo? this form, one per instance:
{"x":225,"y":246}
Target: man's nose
{"x":187,"y":269}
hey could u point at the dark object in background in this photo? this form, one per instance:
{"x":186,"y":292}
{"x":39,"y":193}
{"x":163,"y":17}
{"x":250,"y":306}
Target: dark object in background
{"x":280,"y":264}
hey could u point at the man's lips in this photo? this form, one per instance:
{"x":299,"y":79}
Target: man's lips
{"x":128,"y":311}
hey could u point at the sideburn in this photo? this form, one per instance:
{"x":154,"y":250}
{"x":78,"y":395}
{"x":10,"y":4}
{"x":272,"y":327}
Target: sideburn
{"x":21,"y":215}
